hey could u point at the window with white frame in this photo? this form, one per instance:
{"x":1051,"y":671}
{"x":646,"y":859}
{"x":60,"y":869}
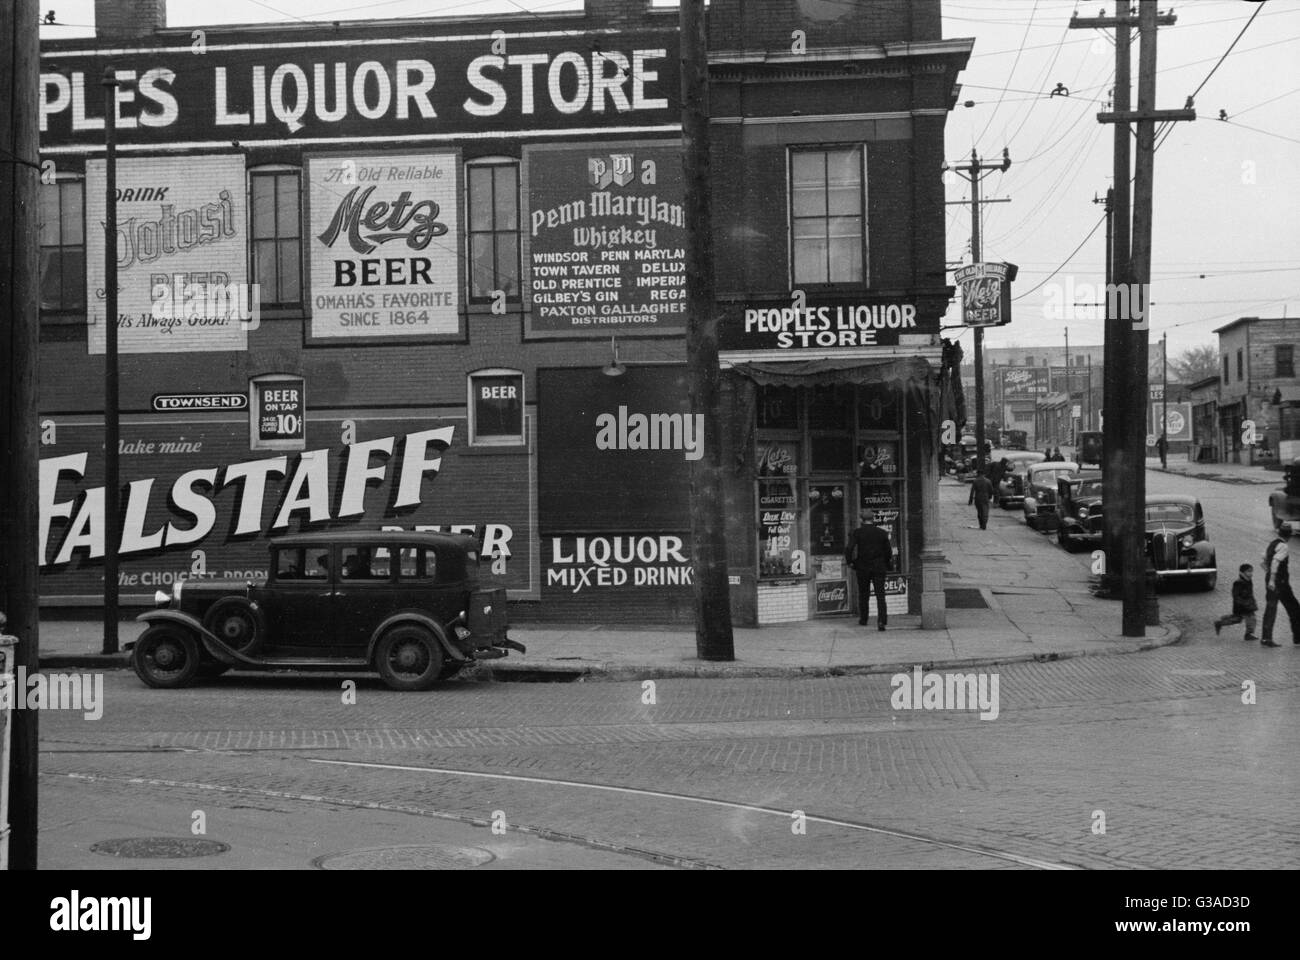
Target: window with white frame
{"x":277,"y":234}
{"x":492,"y":228}
{"x":496,"y":407}
{"x":828,"y":234}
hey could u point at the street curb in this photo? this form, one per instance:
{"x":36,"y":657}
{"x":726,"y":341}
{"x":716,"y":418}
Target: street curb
{"x":605,"y":671}
{"x":550,"y":671}
{"x":1219,"y":478}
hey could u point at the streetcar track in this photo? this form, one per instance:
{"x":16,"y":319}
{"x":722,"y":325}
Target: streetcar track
{"x":1018,"y":859}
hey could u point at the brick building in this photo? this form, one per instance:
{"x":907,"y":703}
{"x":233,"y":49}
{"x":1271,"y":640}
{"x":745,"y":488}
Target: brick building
{"x":429,"y":273}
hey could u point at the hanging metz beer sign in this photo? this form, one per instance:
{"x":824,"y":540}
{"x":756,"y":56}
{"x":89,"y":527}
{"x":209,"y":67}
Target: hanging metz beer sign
{"x":986,"y":293}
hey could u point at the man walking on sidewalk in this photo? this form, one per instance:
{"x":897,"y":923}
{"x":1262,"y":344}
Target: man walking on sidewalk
{"x":1277,"y":587}
{"x":869,"y":554}
{"x":981,"y":491}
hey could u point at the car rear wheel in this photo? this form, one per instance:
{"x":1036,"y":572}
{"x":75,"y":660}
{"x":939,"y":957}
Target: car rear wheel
{"x":409,"y":657}
{"x":166,"y":657}
{"x":236,"y":623}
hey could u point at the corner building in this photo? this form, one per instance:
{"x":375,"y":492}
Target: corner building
{"x":429,"y":273}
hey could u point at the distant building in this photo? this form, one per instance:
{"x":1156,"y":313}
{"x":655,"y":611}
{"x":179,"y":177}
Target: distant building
{"x":1258,"y":383}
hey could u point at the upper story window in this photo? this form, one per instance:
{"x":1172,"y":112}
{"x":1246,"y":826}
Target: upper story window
{"x":277,"y":235}
{"x":1284,"y":360}
{"x":828,"y":215}
{"x":63,"y":246}
{"x":1241,"y":369}
{"x":493,"y":229}
{"x":1225,"y":368}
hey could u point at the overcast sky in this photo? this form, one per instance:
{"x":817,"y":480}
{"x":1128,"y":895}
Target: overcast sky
{"x":1227,"y":194}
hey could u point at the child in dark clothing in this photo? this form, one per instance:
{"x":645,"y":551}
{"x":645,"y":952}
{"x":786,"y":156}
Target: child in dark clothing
{"x":1243,"y":604}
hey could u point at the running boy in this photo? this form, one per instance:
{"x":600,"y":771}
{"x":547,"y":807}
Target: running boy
{"x":1243,"y":604}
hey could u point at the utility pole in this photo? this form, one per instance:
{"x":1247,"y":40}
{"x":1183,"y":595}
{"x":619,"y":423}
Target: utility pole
{"x":974,"y":171}
{"x":1127,"y":313}
{"x":112,"y":473}
{"x":19,"y":447}
{"x":1069,"y":385}
{"x":1109,"y":202}
{"x":1164,"y":400}
{"x":713,"y":636}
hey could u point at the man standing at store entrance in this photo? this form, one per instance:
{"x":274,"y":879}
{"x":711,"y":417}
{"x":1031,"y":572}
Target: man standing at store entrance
{"x":869,"y":554}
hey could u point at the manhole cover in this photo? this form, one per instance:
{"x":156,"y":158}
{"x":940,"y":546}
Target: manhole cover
{"x":964,"y":598}
{"x":429,"y":856}
{"x":159,"y":848}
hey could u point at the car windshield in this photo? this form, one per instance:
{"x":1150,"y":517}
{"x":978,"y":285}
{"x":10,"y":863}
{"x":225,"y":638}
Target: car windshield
{"x":1169,"y":513}
{"x":1051,"y":474}
{"x":1089,"y":488}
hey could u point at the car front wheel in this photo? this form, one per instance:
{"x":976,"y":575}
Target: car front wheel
{"x":409,"y":657}
{"x":166,"y":657}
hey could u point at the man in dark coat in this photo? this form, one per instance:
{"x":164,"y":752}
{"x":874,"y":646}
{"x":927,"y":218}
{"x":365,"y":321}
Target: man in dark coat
{"x":869,"y":554}
{"x":981,"y":491}
{"x":1278,"y":585}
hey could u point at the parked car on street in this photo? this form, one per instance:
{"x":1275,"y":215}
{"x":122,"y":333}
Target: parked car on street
{"x":1040,"y":492}
{"x":1089,"y":448}
{"x":1015,"y":439}
{"x":1284,"y":504}
{"x":1011,"y":489}
{"x":1078,"y":511}
{"x":405,"y":605}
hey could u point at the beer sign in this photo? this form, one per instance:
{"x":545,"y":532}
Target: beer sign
{"x":986,"y":293}
{"x":277,"y":413}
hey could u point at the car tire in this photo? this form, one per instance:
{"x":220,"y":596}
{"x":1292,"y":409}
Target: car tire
{"x":237,"y":623}
{"x":409,"y":657}
{"x":166,"y":657}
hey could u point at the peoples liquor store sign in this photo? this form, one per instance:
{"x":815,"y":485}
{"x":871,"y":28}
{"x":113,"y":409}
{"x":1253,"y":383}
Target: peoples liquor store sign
{"x":192,"y":496}
{"x":342,"y":88}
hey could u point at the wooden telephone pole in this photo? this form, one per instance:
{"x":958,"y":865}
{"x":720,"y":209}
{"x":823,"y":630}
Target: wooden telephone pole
{"x":19,"y":449}
{"x":974,"y":171}
{"x":713,"y":636}
{"x":1128,"y":315}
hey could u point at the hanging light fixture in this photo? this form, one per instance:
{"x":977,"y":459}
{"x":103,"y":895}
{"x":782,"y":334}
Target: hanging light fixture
{"x":614,"y":368}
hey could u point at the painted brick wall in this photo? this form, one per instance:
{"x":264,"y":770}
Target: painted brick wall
{"x":746,"y":24}
{"x":782,"y":604}
{"x":124,"y":19}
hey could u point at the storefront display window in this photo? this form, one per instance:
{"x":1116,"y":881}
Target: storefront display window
{"x":780,"y":508}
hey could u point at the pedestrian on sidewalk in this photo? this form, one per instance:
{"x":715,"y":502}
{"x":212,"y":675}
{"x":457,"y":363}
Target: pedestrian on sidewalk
{"x":869,"y":553}
{"x":1277,"y":586}
{"x":1243,"y":603}
{"x":981,"y":491}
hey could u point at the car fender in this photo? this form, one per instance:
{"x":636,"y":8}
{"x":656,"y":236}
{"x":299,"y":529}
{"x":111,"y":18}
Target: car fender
{"x":423,"y":620}
{"x":215,"y":647}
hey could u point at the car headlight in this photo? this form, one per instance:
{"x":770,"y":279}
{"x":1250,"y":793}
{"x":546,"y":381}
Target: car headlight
{"x":1083,"y":513}
{"x":161,"y":598}
{"x":1185,"y":541}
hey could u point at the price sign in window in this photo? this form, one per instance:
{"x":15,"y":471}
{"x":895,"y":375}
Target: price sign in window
{"x":277,"y":405}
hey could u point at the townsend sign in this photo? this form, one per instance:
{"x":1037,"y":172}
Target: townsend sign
{"x":348,"y":87}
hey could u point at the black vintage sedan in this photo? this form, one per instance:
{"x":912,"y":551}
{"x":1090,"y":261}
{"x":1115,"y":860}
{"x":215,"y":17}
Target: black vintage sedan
{"x":1040,"y":492}
{"x":1176,"y":540}
{"x":1011,"y":489}
{"x":1078,"y":511}
{"x":405,"y":605}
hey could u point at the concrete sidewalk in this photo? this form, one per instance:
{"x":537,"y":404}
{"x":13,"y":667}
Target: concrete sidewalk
{"x":1220,"y":472}
{"x":1023,"y":599}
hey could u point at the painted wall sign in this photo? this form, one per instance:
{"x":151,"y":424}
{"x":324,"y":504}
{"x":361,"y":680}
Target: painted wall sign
{"x":182,"y":255}
{"x":1178,"y":420}
{"x":1024,"y":383}
{"x":614,"y":453}
{"x":184,"y":402}
{"x":382,"y":246}
{"x":277,"y":417}
{"x":349,"y":87}
{"x":986,"y":293}
{"x":650,"y":561}
{"x":605,"y":243}
{"x":196,"y":505}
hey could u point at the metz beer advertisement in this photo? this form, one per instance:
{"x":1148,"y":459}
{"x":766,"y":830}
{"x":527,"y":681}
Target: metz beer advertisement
{"x":605,"y":243}
{"x":382,"y":246}
{"x":181,"y":238}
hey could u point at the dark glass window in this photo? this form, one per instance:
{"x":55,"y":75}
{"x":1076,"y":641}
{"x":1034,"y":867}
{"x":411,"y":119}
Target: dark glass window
{"x":63,"y":246}
{"x":1284,"y":360}
{"x":778,"y":408}
{"x":828,"y":216}
{"x":493,"y":229}
{"x":277,"y":237}
{"x":1225,"y":368}
{"x":1240,"y":367}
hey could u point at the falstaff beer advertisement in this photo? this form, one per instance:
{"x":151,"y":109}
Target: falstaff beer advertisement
{"x":182,"y":255}
{"x":382,"y":246}
{"x":197,"y":503}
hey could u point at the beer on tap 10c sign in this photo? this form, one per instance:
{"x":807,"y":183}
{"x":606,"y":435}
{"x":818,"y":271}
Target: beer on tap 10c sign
{"x":382,"y":246}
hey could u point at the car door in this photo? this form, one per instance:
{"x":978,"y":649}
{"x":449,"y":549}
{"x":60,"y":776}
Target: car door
{"x":363,"y":594}
{"x":299,"y":599}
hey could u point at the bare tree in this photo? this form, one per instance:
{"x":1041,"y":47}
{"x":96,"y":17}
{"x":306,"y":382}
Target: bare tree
{"x":1195,"y":364}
